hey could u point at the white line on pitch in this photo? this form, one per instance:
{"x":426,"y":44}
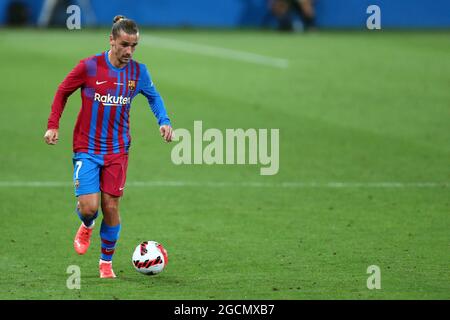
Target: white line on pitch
{"x":212,"y":51}
{"x":224,"y":184}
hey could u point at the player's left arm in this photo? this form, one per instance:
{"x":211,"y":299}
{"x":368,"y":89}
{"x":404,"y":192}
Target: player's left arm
{"x":156,"y":104}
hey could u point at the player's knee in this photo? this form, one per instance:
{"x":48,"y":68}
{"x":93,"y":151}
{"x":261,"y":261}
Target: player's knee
{"x":110,"y":206}
{"x":87,"y":209}
{"x":88,"y":212}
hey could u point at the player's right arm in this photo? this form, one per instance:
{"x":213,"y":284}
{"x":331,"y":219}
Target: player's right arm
{"x":74,"y":80}
{"x":51,"y":136}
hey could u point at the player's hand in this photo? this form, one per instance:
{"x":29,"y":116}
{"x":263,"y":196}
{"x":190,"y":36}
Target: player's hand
{"x":166,"y":132}
{"x":51,"y":136}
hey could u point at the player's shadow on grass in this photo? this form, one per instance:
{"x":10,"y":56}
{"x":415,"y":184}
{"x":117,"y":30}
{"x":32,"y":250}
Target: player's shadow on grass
{"x":164,"y":280}
{"x":155,"y":280}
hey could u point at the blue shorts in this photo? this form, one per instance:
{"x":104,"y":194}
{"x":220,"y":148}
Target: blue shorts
{"x":94,"y":173}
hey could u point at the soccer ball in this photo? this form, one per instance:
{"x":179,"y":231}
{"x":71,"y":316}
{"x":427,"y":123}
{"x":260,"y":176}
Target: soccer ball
{"x":150,"y":258}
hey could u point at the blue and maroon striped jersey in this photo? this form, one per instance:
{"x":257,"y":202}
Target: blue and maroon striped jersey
{"x":103,"y":125}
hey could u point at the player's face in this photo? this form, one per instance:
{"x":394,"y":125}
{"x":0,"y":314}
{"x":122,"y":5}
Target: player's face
{"x":123,"y":46}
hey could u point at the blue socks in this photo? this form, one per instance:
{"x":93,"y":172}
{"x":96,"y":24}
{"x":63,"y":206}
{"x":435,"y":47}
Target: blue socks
{"x":109,"y":236}
{"x":87,"y":221}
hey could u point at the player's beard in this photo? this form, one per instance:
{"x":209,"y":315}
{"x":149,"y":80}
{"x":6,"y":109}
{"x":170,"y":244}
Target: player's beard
{"x":125,"y":59}
{"x":121,"y":58}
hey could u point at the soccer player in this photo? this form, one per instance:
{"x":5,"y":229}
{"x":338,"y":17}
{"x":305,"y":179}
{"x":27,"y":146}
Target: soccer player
{"x":101,"y":140}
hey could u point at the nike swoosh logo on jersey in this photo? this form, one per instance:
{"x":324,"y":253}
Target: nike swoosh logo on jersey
{"x":100,"y":82}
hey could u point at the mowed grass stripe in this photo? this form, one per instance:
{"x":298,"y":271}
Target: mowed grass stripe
{"x":224,"y":184}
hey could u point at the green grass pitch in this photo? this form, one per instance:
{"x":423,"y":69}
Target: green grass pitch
{"x":364,"y":125}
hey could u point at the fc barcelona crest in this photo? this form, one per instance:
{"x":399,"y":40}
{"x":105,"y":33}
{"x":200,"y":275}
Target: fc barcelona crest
{"x":131,"y":85}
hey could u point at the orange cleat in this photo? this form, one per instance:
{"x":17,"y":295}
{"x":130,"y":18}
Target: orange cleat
{"x":106,"y":270}
{"x":82,"y":239}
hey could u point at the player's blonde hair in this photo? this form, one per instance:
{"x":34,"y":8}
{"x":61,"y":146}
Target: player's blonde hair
{"x":121,"y":23}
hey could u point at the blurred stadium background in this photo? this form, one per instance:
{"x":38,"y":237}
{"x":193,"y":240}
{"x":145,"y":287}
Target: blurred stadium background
{"x":364,"y":151}
{"x":225,"y":14}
